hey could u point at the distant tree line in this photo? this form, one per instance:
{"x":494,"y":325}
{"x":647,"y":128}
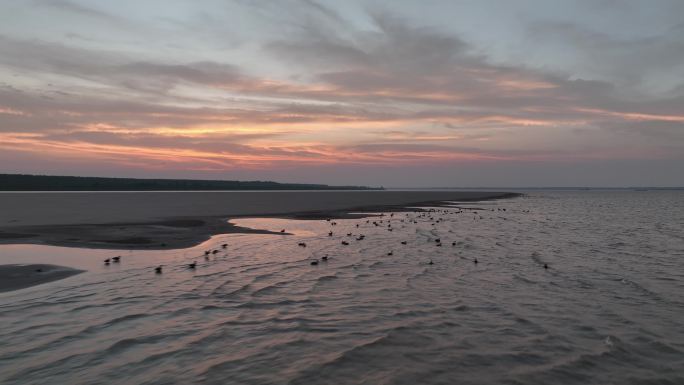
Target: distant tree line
{"x":20,"y":182}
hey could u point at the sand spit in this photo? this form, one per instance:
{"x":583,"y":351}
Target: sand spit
{"x":167,"y":220}
{"x":15,"y":277}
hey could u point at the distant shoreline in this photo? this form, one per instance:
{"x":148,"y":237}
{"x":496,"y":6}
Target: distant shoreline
{"x":155,"y":220}
{"x":26,"y":183}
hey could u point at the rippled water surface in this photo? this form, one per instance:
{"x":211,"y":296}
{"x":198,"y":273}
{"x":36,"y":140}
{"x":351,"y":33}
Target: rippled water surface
{"x":609,"y":310}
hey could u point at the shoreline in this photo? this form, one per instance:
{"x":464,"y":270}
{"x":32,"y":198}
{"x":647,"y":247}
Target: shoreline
{"x":177,"y":232}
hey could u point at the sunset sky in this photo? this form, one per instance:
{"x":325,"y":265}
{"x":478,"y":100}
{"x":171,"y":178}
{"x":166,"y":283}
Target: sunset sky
{"x":392,"y":93}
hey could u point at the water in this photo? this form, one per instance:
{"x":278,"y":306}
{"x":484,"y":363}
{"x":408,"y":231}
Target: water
{"x":608,"y":310}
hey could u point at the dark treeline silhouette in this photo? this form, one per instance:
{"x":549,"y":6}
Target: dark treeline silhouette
{"x":19,"y":182}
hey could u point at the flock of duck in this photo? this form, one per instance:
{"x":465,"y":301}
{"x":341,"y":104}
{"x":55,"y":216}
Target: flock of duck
{"x":435,"y":216}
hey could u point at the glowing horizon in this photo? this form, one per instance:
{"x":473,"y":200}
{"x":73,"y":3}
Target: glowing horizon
{"x":345,"y":92}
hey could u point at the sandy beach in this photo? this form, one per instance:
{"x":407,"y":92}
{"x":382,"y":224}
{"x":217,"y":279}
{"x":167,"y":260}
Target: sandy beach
{"x":148,"y":220}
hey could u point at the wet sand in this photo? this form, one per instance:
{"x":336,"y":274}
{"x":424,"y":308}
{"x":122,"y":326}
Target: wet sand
{"x":15,"y":277}
{"x":166,"y":220}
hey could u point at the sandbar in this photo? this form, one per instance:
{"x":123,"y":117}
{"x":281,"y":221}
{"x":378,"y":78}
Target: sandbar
{"x":15,"y":277}
{"x":167,"y":220}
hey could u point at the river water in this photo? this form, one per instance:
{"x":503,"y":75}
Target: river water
{"x":608,"y":310}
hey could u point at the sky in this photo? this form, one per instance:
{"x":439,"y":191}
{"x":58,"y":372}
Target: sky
{"x":480,"y":93}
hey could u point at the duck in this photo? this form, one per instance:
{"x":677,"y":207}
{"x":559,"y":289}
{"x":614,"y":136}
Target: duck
{"x":403,"y":242}
{"x":314,"y":262}
{"x":345,"y":243}
{"x":302,"y":244}
{"x":192,"y":265}
{"x":158,"y":269}
{"x":116,"y":259}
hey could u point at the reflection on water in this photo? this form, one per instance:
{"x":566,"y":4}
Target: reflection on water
{"x":608,"y":310}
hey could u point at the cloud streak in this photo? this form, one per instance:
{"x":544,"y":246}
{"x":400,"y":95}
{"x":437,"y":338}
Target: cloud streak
{"x":388,"y":93}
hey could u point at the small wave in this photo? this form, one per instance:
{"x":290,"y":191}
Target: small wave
{"x":326,"y":278}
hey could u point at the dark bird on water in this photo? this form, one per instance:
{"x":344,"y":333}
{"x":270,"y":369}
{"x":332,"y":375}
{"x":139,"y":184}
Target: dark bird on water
{"x":325,"y":257}
{"x":403,"y":242}
{"x":453,"y":243}
{"x":390,"y":253}
{"x":116,"y":259}
{"x":438,"y":240}
{"x":282,"y":231}
{"x":431,"y":263}
{"x":207,"y":252}
{"x":158,"y":269}
{"x":192,"y":265}
{"x":215,"y":252}
{"x":475,"y":261}
{"x":224,"y":245}
{"x":302,"y":244}
{"x":330,"y":234}
{"x":546,"y":266}
{"x":314,"y":262}
{"x":345,"y":243}
{"x":106,"y":261}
